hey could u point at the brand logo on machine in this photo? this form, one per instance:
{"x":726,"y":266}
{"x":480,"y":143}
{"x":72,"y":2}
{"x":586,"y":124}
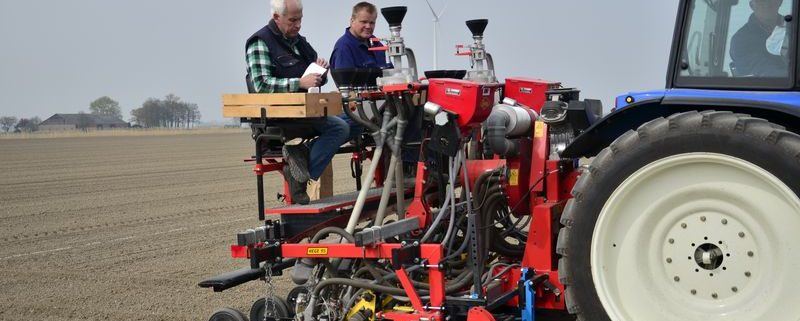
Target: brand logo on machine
{"x":487,"y":91}
{"x":525,"y":90}
{"x":452,"y":91}
{"x":317,"y":251}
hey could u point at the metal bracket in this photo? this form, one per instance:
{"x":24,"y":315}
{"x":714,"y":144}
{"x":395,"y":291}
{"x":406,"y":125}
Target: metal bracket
{"x":377,"y":234}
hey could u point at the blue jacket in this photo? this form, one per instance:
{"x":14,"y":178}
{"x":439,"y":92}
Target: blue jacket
{"x":350,"y":52}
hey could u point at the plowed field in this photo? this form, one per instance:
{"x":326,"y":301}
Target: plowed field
{"x":123,"y":228}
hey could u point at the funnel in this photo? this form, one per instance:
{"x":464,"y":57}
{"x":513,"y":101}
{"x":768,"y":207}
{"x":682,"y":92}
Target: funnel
{"x":343,"y":77}
{"x":394,"y":15}
{"x":477,"y":26}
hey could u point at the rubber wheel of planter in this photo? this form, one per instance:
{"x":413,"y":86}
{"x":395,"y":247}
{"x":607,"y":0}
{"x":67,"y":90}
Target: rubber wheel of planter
{"x":227,"y":314}
{"x":291,"y":298}
{"x":690,"y":217}
{"x":257,"y":310}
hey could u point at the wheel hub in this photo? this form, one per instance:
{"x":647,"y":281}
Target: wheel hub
{"x":708,"y":255}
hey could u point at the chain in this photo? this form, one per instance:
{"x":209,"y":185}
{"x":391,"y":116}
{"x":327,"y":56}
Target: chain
{"x":270,"y":302}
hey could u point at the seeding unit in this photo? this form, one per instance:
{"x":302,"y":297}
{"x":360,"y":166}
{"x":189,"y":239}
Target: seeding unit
{"x":501,"y":220}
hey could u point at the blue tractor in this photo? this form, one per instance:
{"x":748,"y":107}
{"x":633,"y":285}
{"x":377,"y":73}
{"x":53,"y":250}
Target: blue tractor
{"x":689,"y":209}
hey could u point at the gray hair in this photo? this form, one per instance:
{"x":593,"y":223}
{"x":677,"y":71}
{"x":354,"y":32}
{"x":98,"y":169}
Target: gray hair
{"x":279,"y":6}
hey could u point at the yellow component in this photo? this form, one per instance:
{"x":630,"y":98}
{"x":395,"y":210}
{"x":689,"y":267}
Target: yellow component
{"x":538,"y":130}
{"x":364,"y":304}
{"x":513,"y":177}
{"x":317,"y":251}
{"x":401,"y":308}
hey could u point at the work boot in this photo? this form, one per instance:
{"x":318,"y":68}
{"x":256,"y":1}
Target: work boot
{"x":297,"y":189}
{"x":296,"y":157}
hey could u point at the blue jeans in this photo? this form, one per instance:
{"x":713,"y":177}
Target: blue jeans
{"x":333,"y":132}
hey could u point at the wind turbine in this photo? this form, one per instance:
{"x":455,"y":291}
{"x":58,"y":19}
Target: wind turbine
{"x":435,"y":32}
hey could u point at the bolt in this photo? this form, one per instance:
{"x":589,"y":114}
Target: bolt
{"x":702,"y":218}
{"x":747,"y":274}
{"x":669,"y":260}
{"x":683,"y":225}
{"x":677,"y":279}
{"x":671,"y":241}
{"x":735,"y":289}
{"x":750,"y":253}
{"x":694,"y":291}
{"x":724,"y":222}
{"x":741,"y":234}
{"x":714,"y":295}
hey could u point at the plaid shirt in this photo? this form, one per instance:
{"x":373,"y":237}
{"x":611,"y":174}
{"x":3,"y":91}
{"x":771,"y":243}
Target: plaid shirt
{"x":260,"y":65}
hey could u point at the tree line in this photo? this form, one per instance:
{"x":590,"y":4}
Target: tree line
{"x":168,"y":112}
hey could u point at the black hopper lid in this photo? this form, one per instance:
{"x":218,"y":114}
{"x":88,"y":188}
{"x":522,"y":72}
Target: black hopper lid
{"x":394,"y":15}
{"x":477,"y":26}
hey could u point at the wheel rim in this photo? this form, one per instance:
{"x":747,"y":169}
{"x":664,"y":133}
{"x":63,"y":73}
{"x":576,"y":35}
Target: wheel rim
{"x":698,"y":236}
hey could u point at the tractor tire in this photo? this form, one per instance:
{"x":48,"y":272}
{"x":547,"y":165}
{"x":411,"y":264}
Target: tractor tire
{"x":227,"y":314}
{"x":281,"y":309}
{"x":690,"y":217}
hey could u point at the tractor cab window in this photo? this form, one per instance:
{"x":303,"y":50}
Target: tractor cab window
{"x":738,"y":44}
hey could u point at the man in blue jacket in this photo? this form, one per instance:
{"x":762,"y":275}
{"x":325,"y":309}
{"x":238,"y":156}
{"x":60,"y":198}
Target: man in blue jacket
{"x":352,"y":48}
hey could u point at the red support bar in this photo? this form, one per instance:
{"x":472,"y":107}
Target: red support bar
{"x":416,"y":302}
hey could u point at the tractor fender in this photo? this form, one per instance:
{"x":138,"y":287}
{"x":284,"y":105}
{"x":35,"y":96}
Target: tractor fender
{"x":601,"y":134}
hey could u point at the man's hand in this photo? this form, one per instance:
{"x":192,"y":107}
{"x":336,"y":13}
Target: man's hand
{"x":322,"y":62}
{"x":310,"y":80}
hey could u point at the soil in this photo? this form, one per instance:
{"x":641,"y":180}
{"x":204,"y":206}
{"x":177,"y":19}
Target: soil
{"x":123,"y":228}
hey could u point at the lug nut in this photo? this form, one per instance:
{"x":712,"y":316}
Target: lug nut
{"x":741,"y":234}
{"x":683,"y":225}
{"x":671,"y":241}
{"x":694,"y":291}
{"x":669,"y":260}
{"x":747,"y":274}
{"x":677,"y":279}
{"x":714,"y":295}
{"x":702,"y":218}
{"x":735,"y":289}
{"x":750,"y":253}
{"x":724,"y":222}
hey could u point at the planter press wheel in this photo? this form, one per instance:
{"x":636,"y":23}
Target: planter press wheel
{"x":227,"y":314}
{"x":281,"y":309}
{"x":692,"y":217}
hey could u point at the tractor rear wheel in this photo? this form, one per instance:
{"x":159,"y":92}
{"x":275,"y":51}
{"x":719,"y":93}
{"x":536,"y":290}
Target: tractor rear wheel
{"x":690,"y":217}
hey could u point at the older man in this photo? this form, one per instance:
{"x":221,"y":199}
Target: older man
{"x":277,"y":56}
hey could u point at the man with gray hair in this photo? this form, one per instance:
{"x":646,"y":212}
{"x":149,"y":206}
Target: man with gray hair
{"x":277,"y":56}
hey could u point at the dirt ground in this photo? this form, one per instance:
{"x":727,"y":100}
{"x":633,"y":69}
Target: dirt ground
{"x":123,"y":228}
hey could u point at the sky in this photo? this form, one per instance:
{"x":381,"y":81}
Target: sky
{"x":58,"y":56}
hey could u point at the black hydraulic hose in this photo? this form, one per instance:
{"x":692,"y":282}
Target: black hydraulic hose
{"x":362,"y":113}
{"x":333,"y":230}
{"x":494,"y":203}
{"x":372,"y":127}
{"x":375,"y":112}
{"x":361,"y":284}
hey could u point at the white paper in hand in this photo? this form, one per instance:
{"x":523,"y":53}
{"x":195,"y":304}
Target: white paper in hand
{"x":314,"y":68}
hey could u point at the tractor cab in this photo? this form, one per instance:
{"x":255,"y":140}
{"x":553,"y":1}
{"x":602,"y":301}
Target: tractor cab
{"x":731,"y":44}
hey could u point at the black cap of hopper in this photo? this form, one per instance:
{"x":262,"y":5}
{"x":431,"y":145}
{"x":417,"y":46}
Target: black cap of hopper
{"x":394,"y":15}
{"x":477,"y":26}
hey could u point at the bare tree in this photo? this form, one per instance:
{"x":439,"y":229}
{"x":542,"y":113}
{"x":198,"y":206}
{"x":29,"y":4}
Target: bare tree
{"x":7,"y":122}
